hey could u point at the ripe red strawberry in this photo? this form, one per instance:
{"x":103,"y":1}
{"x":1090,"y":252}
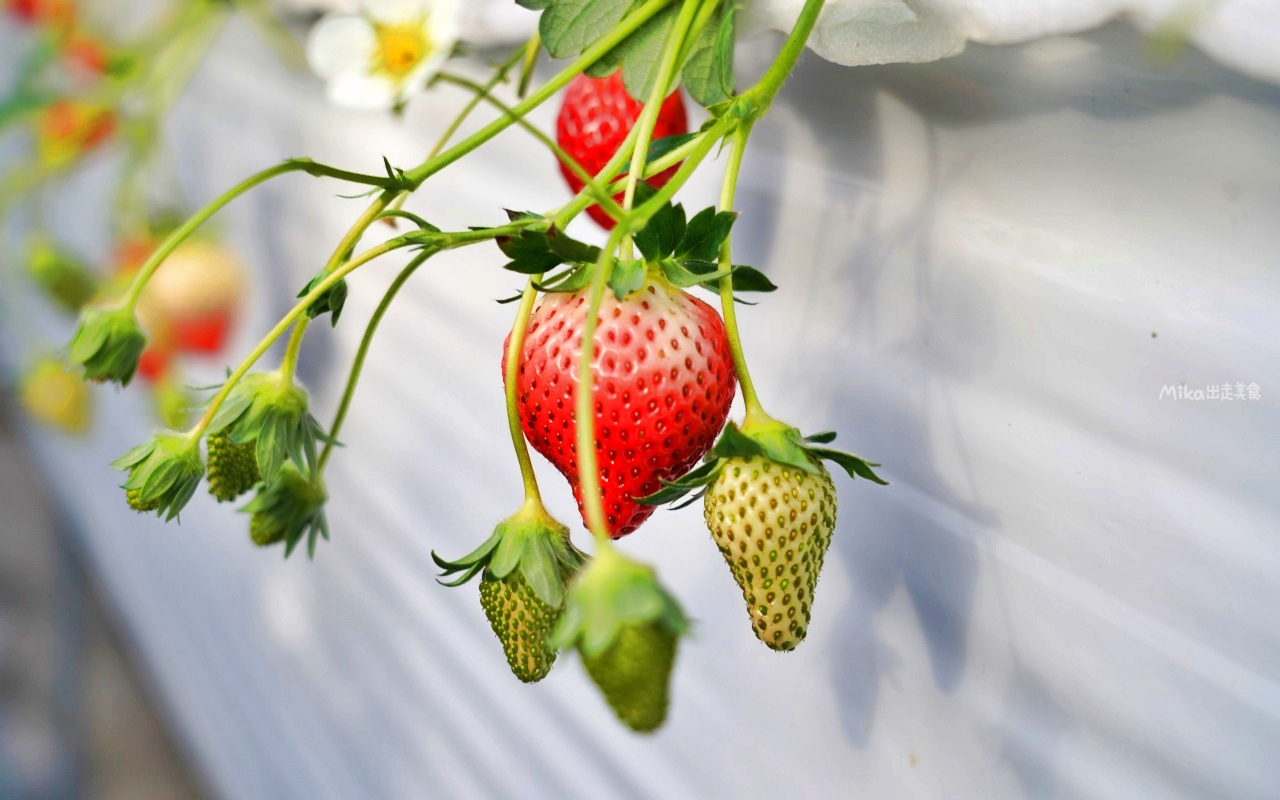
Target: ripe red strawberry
{"x":663,"y":384}
{"x":596,"y":117}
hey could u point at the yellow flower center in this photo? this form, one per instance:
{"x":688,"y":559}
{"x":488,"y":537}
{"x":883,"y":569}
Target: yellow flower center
{"x":401,"y":48}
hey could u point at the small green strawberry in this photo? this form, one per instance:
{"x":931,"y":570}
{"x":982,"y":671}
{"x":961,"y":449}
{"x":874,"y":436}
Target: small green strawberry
{"x":287,"y":509}
{"x":163,"y":473}
{"x":633,"y":674}
{"x":525,"y":565}
{"x":62,"y":278}
{"x":771,"y":507}
{"x":270,"y":413}
{"x":233,"y":468}
{"x":625,"y":626}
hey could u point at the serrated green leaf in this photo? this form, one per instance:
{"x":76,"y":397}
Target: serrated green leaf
{"x":642,"y":52}
{"x":627,"y":276}
{"x":661,"y":234}
{"x":705,"y":234}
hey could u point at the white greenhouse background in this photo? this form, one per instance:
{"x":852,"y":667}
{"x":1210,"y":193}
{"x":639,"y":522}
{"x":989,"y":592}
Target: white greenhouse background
{"x":989,"y":268}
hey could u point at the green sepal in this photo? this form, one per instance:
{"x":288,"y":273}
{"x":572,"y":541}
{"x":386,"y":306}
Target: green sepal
{"x":612,"y":592}
{"x":569,"y":281}
{"x":108,"y":343}
{"x":705,"y":234}
{"x":330,"y":301}
{"x":776,"y":441}
{"x":163,"y":473}
{"x":288,"y":509}
{"x":531,"y":540}
{"x":271,"y":411}
{"x":627,"y":276}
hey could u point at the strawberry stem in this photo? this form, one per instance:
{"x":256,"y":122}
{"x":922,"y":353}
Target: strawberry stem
{"x":515,"y":348}
{"x":289,"y":363}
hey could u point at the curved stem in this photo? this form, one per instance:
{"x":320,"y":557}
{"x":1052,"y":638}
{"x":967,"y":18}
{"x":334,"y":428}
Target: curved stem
{"x":767,"y":88}
{"x":289,"y":364}
{"x":727,"y":307}
{"x":183,"y":231}
{"x":515,"y":347}
{"x":589,"y":56}
{"x":357,"y":365}
{"x":602,"y":197}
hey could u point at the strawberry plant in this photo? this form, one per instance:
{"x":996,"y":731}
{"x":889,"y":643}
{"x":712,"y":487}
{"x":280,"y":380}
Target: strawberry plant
{"x":614,"y":370}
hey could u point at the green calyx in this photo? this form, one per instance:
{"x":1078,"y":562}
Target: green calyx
{"x":682,"y":252}
{"x":288,"y":509}
{"x":108,"y":343}
{"x":163,"y":473}
{"x":626,"y":627}
{"x":330,"y":301}
{"x":63,"y":279}
{"x":611,"y":593}
{"x":530,"y":539}
{"x":267,"y":410}
{"x":763,"y":436}
{"x":233,"y":468}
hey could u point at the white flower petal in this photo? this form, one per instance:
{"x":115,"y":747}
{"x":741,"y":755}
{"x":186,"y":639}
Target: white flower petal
{"x":341,"y":45}
{"x":363,"y":92}
{"x":396,"y":12}
{"x":444,"y":24}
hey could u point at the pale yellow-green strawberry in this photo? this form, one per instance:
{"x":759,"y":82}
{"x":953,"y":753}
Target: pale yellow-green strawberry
{"x":134,"y":498}
{"x":522,"y":622}
{"x":634,"y":673}
{"x":233,"y":468}
{"x":773,"y":525}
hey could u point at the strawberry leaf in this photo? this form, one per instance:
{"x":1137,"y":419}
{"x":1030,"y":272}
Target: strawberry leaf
{"x":705,"y":234}
{"x":569,"y":26}
{"x":708,"y":74}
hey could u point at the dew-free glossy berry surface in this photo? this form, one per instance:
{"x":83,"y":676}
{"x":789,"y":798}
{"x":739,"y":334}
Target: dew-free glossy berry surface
{"x":773,"y":526}
{"x":595,"y":119}
{"x":663,"y":383}
{"x":521,"y":622}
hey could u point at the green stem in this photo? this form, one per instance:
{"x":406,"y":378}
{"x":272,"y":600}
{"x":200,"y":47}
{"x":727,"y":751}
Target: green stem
{"x":767,"y":88}
{"x":357,"y":365}
{"x":515,"y":347}
{"x":589,"y":56}
{"x":178,"y":236}
{"x":440,"y":241}
{"x":598,"y":192}
{"x":584,"y":408}
{"x":499,"y":77}
{"x":728,"y":309}
{"x":290,"y":362}
{"x":649,"y":116}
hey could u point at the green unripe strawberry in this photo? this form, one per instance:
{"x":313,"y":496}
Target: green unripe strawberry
{"x":522,"y":623}
{"x":264,"y":531}
{"x":134,"y":498}
{"x":287,"y":510}
{"x":633,"y":673}
{"x":233,"y":468}
{"x":773,"y":525}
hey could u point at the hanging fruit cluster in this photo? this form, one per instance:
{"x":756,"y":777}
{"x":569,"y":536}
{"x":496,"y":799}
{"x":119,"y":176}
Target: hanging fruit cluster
{"x":614,"y":370}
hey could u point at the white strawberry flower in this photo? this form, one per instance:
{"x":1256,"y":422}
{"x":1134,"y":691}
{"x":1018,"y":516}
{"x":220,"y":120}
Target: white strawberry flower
{"x":379,"y":58}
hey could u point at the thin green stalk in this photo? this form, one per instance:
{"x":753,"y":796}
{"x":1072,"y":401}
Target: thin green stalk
{"x":767,"y":88}
{"x":601,"y":196}
{"x":649,"y":116}
{"x":728,"y":308}
{"x":289,"y":364}
{"x":589,"y":56}
{"x":442,"y":241}
{"x":179,"y":236}
{"x":584,"y":407}
{"x":515,"y":346}
{"x":357,"y":365}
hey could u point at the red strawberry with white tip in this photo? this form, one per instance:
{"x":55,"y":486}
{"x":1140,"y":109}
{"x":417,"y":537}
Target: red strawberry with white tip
{"x":663,"y":383}
{"x":596,"y":118}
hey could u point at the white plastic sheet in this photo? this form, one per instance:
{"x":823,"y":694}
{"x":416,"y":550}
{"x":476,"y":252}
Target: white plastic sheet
{"x":990,"y":268}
